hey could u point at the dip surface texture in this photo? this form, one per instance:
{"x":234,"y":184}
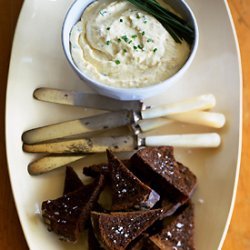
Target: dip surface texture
{"x":122,"y":46}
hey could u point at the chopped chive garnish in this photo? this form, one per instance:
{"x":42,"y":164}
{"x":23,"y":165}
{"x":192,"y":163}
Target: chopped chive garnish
{"x":117,"y":62}
{"x":130,"y":41}
{"x":149,"y":40}
{"x":103,"y":12}
{"x":145,"y":21}
{"x":138,"y":16}
{"x":155,"y":49}
{"x":143,"y":33}
{"x":124,"y":51}
{"x":125,"y":38}
{"x":121,"y":20}
{"x":108,"y":42}
{"x":108,"y":28}
{"x":134,"y":36}
{"x":140,"y":46}
{"x":135,"y":47}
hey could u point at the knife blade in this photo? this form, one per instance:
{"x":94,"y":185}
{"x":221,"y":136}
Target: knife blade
{"x":79,"y":126}
{"x":124,"y":143}
{"x":126,"y":118}
{"x":83,"y":145}
{"x":51,"y":162}
{"x":87,"y":100}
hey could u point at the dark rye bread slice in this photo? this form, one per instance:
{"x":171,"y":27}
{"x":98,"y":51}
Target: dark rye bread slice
{"x":101,"y":168}
{"x":68,"y":215}
{"x":96,"y":169}
{"x":72,"y":182}
{"x":127,"y":190}
{"x":177,"y":234}
{"x":158,"y":167}
{"x":117,"y":230}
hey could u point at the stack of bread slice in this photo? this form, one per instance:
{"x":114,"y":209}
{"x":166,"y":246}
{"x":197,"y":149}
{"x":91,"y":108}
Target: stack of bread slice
{"x":151,"y":206}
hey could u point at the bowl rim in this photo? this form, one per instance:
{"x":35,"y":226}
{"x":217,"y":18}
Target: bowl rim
{"x":140,"y":90}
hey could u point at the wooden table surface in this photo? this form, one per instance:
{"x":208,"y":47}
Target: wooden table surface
{"x":238,"y":236}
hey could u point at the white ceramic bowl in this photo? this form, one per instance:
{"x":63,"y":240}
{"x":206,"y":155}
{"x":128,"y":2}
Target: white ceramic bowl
{"x":73,"y":16}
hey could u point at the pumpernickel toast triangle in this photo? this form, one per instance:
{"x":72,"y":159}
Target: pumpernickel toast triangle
{"x":71,"y":181}
{"x":158,"y":168}
{"x":128,"y":191}
{"x":177,"y":232}
{"x":68,"y":215}
{"x":117,"y":230}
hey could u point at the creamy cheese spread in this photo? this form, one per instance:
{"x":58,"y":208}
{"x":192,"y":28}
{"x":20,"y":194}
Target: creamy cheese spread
{"x":122,"y":46}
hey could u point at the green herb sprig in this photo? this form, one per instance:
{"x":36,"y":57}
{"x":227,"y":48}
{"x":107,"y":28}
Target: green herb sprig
{"x":176,"y":26}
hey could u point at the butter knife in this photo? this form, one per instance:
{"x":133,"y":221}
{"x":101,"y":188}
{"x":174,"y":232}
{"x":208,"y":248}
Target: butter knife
{"x":76,"y":98}
{"x":123,"y":143}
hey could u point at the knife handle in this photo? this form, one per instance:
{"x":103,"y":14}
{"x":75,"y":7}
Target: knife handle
{"x":209,"y":119}
{"x":84,"y":145}
{"x":201,"y":102}
{"x":149,"y":124}
{"x":203,"y":118}
{"x":205,"y":140}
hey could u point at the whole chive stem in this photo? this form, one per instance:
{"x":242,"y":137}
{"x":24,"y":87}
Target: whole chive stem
{"x":176,"y":26}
